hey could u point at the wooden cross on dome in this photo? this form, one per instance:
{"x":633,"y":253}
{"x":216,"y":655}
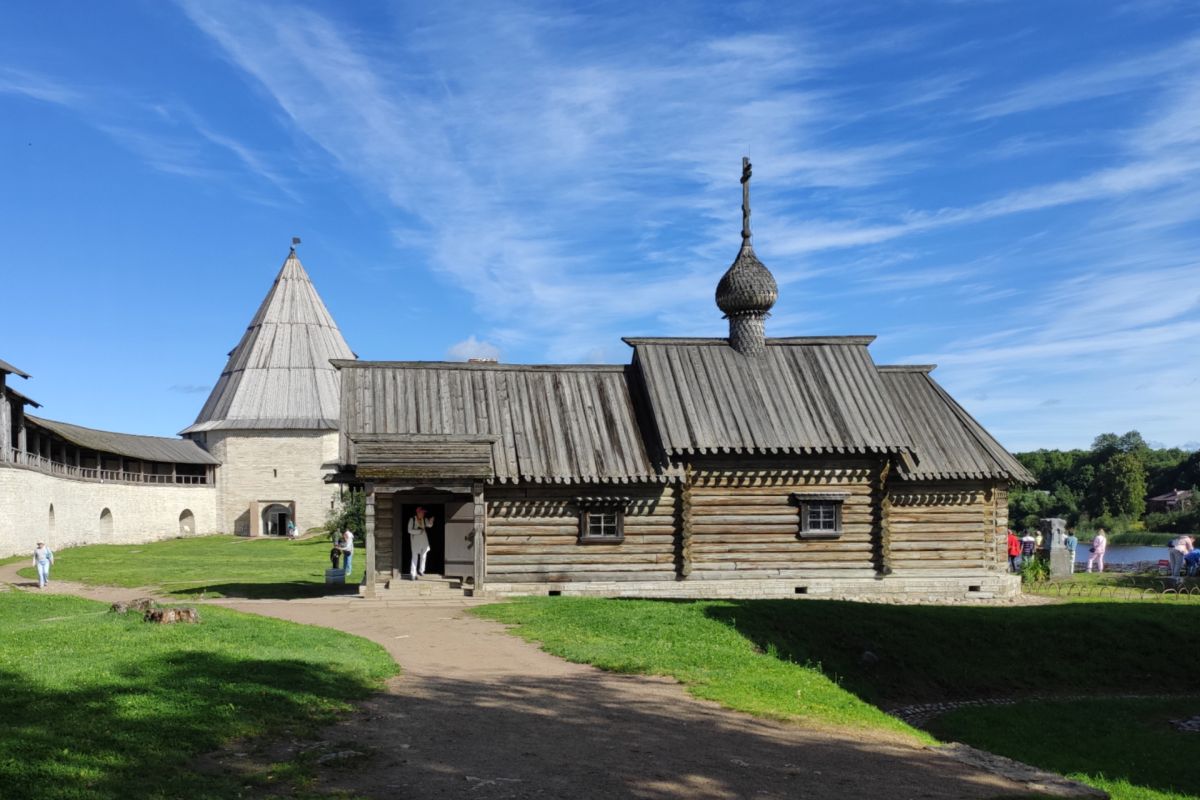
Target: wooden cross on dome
{"x":745,"y":200}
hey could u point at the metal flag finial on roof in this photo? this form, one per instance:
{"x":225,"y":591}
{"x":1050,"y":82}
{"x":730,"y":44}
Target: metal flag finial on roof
{"x":746,"y":172}
{"x":295,"y":241}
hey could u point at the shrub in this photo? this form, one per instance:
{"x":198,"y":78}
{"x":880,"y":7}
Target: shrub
{"x":1174,"y":521}
{"x":1035,"y":569}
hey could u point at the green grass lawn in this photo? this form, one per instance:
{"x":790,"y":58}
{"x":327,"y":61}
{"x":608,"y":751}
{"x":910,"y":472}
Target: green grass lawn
{"x":218,"y":566}
{"x":805,"y":659}
{"x":713,"y":659}
{"x":1121,"y":587}
{"x":1126,"y":747}
{"x":98,"y":705}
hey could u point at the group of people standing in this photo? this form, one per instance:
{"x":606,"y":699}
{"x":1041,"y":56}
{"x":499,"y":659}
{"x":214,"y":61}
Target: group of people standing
{"x":1024,"y":547}
{"x":1021,"y":548}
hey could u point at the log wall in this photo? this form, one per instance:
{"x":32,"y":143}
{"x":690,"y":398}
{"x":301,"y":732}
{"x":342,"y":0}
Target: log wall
{"x":739,"y":521}
{"x":944,"y":527}
{"x":533,"y":536}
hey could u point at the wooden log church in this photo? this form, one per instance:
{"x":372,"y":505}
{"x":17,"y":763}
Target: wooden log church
{"x":744,"y":466}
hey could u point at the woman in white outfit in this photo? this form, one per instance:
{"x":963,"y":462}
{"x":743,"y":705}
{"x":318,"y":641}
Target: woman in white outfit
{"x":1099,"y":546}
{"x":418,"y":537}
{"x":43,"y":557}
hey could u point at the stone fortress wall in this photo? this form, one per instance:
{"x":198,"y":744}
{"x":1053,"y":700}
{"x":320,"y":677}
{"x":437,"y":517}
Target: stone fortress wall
{"x":65,"y":512}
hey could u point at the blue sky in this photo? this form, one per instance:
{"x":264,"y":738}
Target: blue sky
{"x":1009,"y":190}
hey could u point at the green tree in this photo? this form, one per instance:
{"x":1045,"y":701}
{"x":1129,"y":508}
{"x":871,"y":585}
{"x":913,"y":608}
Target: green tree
{"x":1120,"y":485}
{"x":1106,"y":444}
{"x":349,"y":512}
{"x":1132,"y":442}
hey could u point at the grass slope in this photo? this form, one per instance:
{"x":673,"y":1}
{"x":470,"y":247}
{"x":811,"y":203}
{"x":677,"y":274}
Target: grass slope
{"x":919,"y":653}
{"x":683,"y":640}
{"x":1125,"y":746}
{"x":98,"y":705}
{"x":805,"y":659}
{"x":219,"y":566}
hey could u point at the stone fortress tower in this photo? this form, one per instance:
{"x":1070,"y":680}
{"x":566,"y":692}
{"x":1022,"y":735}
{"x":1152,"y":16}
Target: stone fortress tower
{"x":272,"y":418}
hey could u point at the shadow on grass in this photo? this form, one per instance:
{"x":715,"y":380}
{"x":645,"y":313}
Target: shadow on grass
{"x":891,"y":655}
{"x":1123,"y":739}
{"x":283,"y":590}
{"x":133,"y":733}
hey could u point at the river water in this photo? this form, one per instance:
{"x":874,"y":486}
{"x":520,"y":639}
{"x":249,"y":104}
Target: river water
{"x":1124,"y":553}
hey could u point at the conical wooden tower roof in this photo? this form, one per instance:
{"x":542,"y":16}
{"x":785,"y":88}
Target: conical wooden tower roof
{"x":279,"y":376}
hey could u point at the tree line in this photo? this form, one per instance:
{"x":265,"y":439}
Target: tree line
{"x":1107,"y":485}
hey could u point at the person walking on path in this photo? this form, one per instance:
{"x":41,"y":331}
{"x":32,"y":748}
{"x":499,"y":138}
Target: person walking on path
{"x":418,"y":536}
{"x":347,"y":550}
{"x":1014,"y":551}
{"x":43,"y":557}
{"x":1071,"y":543}
{"x":1099,"y":545}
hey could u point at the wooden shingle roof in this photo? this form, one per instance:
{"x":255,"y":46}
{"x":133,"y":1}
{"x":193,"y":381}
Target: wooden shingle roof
{"x":279,"y":375}
{"x":803,"y":395}
{"x":950,"y":444}
{"x":554,"y":424}
{"x":147,"y":448}
{"x":10,"y":369}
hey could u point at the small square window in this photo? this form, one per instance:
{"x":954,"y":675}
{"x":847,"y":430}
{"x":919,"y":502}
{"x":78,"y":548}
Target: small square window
{"x":820,"y":515}
{"x":602,"y":525}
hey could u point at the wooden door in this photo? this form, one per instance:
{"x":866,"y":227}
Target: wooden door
{"x":460,"y":528}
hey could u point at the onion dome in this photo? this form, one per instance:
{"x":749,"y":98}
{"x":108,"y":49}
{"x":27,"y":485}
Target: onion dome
{"x":747,"y":286}
{"x":747,"y":291}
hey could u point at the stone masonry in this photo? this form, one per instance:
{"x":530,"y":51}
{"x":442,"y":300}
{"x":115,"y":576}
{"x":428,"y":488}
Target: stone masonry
{"x":64,"y":512}
{"x":273,"y":466}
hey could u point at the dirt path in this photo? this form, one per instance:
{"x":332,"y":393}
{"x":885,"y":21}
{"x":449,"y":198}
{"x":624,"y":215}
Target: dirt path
{"x":481,"y":713}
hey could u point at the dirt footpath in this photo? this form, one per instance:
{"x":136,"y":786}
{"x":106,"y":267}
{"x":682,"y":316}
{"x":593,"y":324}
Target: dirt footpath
{"x":481,"y":713}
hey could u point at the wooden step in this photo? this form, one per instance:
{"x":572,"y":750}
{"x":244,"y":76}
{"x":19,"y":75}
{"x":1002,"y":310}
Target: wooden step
{"x":427,"y":586}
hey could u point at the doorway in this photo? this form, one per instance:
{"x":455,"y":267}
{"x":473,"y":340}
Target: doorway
{"x":275,"y":520}
{"x":435,"y":562}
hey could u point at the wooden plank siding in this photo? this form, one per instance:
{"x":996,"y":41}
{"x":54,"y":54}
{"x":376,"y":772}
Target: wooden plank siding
{"x":944,"y":527}
{"x":533,"y":535}
{"x":739,"y":521}
{"x":385,"y":536}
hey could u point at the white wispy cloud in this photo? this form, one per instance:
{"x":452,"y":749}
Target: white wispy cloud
{"x":491,"y":141}
{"x":473,"y":348}
{"x":170,"y":138}
{"x":538,"y":134}
{"x":1093,"y":81}
{"x":37,"y":87}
